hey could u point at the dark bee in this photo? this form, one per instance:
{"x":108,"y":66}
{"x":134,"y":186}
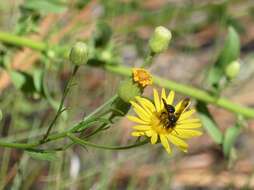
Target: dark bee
{"x":170,"y":116}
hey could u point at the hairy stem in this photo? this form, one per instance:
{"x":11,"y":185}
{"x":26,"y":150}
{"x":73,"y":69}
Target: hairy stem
{"x":60,"y":108}
{"x":87,"y":143}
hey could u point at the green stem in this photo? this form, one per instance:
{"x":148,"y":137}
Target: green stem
{"x":94,"y":116}
{"x":34,"y":144}
{"x":148,"y":60}
{"x":22,"y":41}
{"x":60,"y":108}
{"x":86,"y":143}
{"x":190,"y":91}
{"x":53,"y":137}
{"x":98,"y":112}
{"x":125,"y":71}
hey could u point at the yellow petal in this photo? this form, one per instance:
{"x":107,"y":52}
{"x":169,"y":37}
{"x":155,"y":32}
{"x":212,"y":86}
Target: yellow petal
{"x":170,"y":98}
{"x":146,"y":104}
{"x":186,"y":114}
{"x":137,"y":133}
{"x":157,"y":101}
{"x":154,"y":138}
{"x":182,"y":145}
{"x":188,"y":121}
{"x":163,"y":93}
{"x":169,"y":151}
{"x":142,"y":127}
{"x":185,"y":134}
{"x":136,"y":119}
{"x":188,"y":126}
{"x":149,"y":133}
{"x":164,"y":142}
{"x":140,"y":111}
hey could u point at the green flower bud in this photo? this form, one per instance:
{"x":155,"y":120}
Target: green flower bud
{"x":79,"y":53}
{"x":232,"y":70}
{"x":160,"y":39}
{"x":128,"y":90}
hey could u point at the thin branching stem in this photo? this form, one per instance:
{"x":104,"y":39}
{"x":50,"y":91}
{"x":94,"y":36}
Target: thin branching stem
{"x":107,"y":147}
{"x":60,"y":108}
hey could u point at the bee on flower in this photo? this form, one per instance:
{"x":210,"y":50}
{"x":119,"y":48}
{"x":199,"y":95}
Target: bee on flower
{"x":163,"y":122}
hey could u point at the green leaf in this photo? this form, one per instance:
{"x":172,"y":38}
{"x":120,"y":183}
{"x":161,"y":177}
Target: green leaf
{"x":45,"y":6}
{"x":86,"y":124}
{"x":18,"y":79}
{"x":102,"y":34}
{"x":22,"y":81}
{"x":47,"y":156}
{"x":230,"y":138}
{"x":229,"y":53}
{"x":209,"y":123}
{"x":38,"y":79}
{"x":231,"y":50}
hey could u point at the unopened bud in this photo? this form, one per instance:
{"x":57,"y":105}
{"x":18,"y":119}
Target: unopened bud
{"x":128,"y":90}
{"x":79,"y":53}
{"x":160,"y":39}
{"x":233,"y":69}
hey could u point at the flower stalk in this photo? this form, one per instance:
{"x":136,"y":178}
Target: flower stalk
{"x":125,"y":71}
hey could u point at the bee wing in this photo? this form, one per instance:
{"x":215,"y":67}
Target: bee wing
{"x":185,"y":102}
{"x":164,"y":103}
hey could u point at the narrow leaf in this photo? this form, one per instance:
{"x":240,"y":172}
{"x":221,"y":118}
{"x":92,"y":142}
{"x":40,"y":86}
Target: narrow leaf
{"x":47,"y":156}
{"x":229,"y":53}
{"x":37,"y":79}
{"x":45,"y":6}
{"x":209,"y":123}
{"x":18,"y":79}
{"x":230,"y":138}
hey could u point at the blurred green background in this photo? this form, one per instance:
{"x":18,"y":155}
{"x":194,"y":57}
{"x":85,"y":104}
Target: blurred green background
{"x":198,"y":28}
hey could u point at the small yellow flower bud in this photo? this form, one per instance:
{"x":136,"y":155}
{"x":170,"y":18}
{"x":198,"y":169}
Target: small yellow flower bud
{"x":79,"y":53}
{"x":128,"y":90}
{"x":160,"y":39}
{"x":142,"y":77}
{"x":233,"y":69}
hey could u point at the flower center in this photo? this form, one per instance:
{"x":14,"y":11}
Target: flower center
{"x":160,"y":122}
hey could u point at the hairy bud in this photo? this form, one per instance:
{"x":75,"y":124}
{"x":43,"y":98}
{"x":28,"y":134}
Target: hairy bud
{"x":160,"y":39}
{"x":79,"y":53}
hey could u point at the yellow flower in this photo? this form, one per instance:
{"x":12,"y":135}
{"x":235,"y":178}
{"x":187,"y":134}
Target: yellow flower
{"x":142,"y":76}
{"x":154,"y":122}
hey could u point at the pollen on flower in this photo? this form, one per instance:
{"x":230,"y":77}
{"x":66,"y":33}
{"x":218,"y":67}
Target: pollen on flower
{"x":142,"y":77}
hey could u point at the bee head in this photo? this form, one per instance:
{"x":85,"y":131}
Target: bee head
{"x":170,"y":109}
